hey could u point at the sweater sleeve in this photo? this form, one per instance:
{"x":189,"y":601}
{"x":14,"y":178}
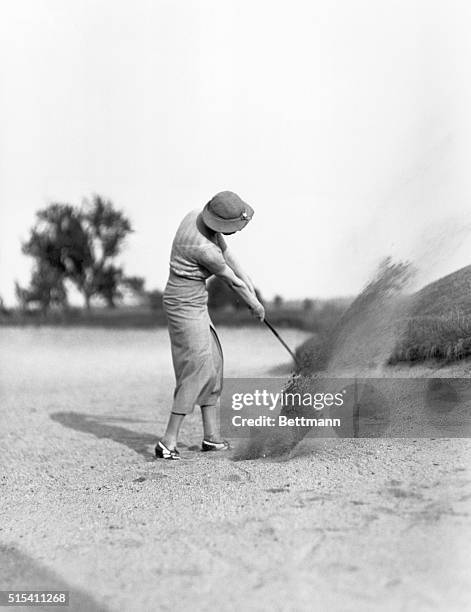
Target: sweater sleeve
{"x":211,"y":258}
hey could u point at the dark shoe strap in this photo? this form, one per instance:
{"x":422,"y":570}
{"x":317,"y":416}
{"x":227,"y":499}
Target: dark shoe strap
{"x":166,"y":453}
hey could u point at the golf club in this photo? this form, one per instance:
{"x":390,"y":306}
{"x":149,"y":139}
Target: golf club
{"x":275,"y":333}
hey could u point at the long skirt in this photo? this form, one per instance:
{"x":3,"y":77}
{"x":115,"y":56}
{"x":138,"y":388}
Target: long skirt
{"x":196,"y":351}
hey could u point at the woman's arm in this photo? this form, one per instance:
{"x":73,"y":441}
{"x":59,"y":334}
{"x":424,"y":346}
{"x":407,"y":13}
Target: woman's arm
{"x":236,"y":268}
{"x":228,"y":275}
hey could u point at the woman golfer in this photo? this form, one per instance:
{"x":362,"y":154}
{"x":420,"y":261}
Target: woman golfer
{"x":199,"y":251}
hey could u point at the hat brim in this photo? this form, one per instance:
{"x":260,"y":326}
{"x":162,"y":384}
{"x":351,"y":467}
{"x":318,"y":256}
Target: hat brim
{"x":219,"y":224}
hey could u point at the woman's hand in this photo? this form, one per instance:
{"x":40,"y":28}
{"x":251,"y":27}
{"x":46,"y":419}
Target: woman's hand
{"x":258,"y":311}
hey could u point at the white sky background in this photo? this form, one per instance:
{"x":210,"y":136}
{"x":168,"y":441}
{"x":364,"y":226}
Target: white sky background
{"x":344,"y":123}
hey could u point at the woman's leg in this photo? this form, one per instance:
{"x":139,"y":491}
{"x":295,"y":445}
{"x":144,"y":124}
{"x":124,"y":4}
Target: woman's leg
{"x":210,"y":411}
{"x":173,"y":427}
{"x":210,"y":423}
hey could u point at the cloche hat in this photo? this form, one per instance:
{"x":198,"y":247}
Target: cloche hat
{"x":227,"y":212}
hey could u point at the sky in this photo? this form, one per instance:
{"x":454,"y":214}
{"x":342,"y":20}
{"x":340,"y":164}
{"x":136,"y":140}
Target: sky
{"x":344,"y":123}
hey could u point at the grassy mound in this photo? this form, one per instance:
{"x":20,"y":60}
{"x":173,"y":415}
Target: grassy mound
{"x":447,"y":295}
{"x":439,"y":326}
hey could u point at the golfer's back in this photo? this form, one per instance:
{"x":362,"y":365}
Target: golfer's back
{"x":193,"y":255}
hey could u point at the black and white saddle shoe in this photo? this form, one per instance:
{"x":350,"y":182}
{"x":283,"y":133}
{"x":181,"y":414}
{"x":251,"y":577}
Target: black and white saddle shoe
{"x":215,"y":446}
{"x":162,"y":452}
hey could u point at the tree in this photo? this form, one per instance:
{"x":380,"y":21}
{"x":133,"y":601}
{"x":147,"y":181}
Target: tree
{"x":46,"y":289}
{"x":80,"y":245}
{"x":308,"y":304}
{"x":3,"y":308}
{"x":155,"y":299}
{"x":106,"y":229}
{"x":107,"y":282}
{"x":277,"y":301}
{"x":135,"y":284}
{"x":59,"y":245}
{"x":58,"y":239}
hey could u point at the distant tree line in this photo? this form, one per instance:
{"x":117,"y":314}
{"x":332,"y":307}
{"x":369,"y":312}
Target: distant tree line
{"x":221,"y":296}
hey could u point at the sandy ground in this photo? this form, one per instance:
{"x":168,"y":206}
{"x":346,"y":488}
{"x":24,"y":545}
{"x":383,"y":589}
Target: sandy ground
{"x":339,"y":525}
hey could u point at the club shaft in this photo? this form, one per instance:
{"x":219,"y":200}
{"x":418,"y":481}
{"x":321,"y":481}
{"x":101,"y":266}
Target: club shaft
{"x":275,"y":333}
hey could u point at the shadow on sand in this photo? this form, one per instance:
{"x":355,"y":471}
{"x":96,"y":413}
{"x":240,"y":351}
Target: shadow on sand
{"x":21,"y":572}
{"x":103,"y":427}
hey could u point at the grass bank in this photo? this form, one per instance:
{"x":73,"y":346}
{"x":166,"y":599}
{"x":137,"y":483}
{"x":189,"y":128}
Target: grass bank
{"x":124,"y":317}
{"x":143,"y":317}
{"x":445,"y":338}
